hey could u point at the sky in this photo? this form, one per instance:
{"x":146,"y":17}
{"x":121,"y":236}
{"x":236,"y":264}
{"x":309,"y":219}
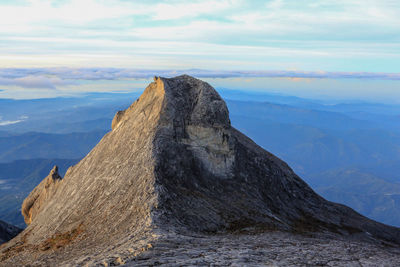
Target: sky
{"x":297,"y":47}
{"x":321,"y":35}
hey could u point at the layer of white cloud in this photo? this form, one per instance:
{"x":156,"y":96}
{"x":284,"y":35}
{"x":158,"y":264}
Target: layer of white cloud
{"x":51,"y":78}
{"x":33,"y":81}
{"x":8,"y":122}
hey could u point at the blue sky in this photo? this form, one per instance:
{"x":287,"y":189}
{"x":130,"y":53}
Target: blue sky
{"x":296,"y":47}
{"x":301,"y":35}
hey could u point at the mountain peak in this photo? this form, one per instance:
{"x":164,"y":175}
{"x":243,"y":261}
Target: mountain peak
{"x":174,"y":164}
{"x":195,"y":102}
{"x":186,"y":99}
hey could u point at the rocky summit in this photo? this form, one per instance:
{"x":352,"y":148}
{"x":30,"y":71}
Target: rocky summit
{"x":175,"y":183}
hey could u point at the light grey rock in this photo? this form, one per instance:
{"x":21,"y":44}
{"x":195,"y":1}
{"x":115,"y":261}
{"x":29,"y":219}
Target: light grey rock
{"x":267,"y":249}
{"x":174,"y":183}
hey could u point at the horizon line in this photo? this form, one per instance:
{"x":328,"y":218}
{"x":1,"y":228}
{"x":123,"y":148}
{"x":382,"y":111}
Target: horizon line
{"x":111,"y":73}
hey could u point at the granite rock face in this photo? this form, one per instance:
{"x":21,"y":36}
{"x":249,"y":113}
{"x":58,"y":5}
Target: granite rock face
{"x":173,"y":165}
{"x":7,"y":232}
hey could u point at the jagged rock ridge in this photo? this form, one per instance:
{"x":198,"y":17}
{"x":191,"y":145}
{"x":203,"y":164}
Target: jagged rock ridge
{"x":40,"y":195}
{"x":173,"y":162}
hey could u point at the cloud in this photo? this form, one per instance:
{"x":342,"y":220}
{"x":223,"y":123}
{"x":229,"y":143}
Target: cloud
{"x":33,"y":81}
{"x":50,"y":78}
{"x":4,"y":123}
{"x":321,"y":34}
{"x":7,"y":122}
{"x":168,"y":11}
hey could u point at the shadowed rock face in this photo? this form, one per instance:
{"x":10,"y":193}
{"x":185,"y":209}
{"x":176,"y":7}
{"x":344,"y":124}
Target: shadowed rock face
{"x":173,"y":163}
{"x":7,"y":232}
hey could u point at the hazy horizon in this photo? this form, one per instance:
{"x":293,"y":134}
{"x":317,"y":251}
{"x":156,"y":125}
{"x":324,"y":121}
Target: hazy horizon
{"x":329,"y":87}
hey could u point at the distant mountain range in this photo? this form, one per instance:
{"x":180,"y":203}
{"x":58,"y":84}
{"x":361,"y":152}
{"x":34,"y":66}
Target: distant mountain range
{"x":18,"y":178}
{"x":7,"y":232}
{"x":43,"y":145}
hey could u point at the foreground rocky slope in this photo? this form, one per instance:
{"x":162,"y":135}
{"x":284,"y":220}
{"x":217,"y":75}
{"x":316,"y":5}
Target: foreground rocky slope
{"x":263,"y":249}
{"x":173,"y":166}
{"x":7,"y":232}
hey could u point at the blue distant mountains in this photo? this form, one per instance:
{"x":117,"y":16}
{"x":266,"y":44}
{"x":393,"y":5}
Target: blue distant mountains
{"x":348,"y":152}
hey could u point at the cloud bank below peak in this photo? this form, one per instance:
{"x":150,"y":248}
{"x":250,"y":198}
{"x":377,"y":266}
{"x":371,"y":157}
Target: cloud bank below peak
{"x":30,"y":80}
{"x":51,"y":78}
{"x":33,"y":83}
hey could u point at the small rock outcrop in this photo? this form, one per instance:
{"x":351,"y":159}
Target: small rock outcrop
{"x":173,"y":166}
{"x":39,"y":197}
{"x":7,"y":232}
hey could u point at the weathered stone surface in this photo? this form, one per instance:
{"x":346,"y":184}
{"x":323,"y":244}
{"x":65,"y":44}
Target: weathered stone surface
{"x":264,"y":249}
{"x":174,"y":168}
{"x":7,"y":232}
